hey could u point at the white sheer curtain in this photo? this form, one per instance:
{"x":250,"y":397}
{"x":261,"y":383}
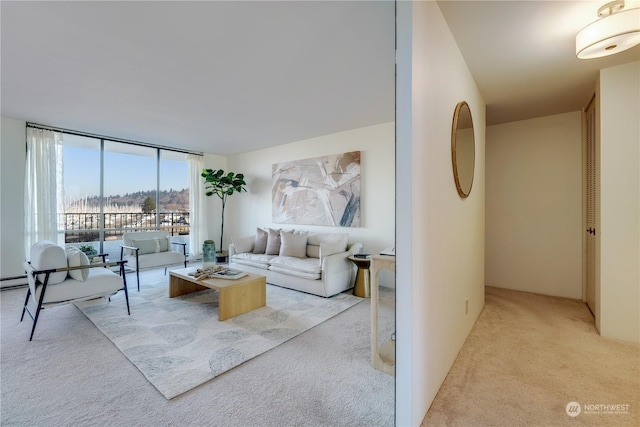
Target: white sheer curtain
{"x":197,"y":214}
{"x":44,"y":188}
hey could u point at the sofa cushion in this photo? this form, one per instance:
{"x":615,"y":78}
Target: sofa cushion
{"x":46,"y":255}
{"x":75,"y":258}
{"x":301,"y":274}
{"x":273,"y":242}
{"x":305,"y":265}
{"x":243,"y":244}
{"x":294,"y":245}
{"x":334,"y":243}
{"x":260,"y":244}
{"x":255,"y":260}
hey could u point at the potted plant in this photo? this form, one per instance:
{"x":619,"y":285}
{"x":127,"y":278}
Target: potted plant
{"x":223,"y":185}
{"x":88,"y":250}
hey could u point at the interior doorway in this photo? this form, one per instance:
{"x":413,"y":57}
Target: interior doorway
{"x":591,"y":205}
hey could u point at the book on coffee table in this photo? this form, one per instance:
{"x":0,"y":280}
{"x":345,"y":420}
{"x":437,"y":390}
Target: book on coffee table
{"x":228,"y":273}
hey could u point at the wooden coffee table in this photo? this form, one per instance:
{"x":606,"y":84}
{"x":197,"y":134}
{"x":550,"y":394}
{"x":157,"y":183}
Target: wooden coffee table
{"x":236,"y":296}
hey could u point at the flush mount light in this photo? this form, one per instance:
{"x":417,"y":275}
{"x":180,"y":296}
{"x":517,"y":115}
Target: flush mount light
{"x":615,"y":31}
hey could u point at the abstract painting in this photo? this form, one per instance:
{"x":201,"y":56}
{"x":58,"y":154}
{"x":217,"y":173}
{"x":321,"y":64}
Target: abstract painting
{"x":318,"y":191}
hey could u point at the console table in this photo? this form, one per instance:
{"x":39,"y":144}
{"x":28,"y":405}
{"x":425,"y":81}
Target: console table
{"x":383,"y":357}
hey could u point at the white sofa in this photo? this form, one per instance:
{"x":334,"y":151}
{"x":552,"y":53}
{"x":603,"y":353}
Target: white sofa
{"x":315,"y":263}
{"x":150,"y":249}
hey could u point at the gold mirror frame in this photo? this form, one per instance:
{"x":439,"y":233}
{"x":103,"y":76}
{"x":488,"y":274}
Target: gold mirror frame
{"x":463,"y":150}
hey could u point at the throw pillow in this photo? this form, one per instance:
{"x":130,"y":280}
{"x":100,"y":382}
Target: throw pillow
{"x":273,"y":242}
{"x":243,"y":244}
{"x":162,"y":244}
{"x":327,"y":249}
{"x":75,"y":258}
{"x":260,"y":245}
{"x":333,"y":242}
{"x":146,"y":246}
{"x":46,"y":255}
{"x":294,"y":245}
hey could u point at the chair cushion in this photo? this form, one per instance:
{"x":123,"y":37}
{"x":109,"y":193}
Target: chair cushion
{"x":155,"y":259}
{"x":75,"y":258}
{"x":100,"y":281}
{"x":47,"y":255}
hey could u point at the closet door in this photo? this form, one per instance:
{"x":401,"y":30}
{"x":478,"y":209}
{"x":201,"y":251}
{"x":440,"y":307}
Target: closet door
{"x":591,"y":205}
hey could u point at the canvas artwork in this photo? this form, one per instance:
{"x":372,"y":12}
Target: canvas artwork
{"x":318,"y":191}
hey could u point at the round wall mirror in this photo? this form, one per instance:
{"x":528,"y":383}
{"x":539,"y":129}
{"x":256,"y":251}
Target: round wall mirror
{"x":463,"y":149}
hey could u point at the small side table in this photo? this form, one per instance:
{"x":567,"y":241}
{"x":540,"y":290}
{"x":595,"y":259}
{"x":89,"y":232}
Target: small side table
{"x":362,"y":287}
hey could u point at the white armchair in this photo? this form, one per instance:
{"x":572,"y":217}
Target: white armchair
{"x":56,"y":277}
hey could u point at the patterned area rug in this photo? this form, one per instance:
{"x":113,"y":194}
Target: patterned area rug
{"x":178,"y":343}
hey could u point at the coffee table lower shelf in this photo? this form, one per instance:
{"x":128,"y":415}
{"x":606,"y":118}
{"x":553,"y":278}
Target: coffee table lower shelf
{"x":235,"y":296}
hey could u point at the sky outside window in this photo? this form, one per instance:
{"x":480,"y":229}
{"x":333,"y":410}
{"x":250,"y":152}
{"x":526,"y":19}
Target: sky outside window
{"x":81,"y":167}
{"x":174,"y":175}
{"x":128,"y":168}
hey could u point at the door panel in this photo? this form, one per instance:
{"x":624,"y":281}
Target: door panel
{"x":591,"y":207}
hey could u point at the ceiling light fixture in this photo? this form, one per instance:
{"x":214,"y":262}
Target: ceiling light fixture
{"x":615,"y":31}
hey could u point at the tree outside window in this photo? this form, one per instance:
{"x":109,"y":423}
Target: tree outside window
{"x":149,"y":205}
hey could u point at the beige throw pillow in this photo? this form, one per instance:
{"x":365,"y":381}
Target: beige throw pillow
{"x":146,"y":246}
{"x":243,"y":244}
{"x":75,"y":258}
{"x":273,"y":242}
{"x":260,"y":244}
{"x":327,"y":249}
{"x":294,"y":245}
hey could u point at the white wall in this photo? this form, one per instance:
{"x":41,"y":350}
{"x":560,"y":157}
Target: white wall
{"x":619,"y":231}
{"x":534,"y":205}
{"x":376,"y":144}
{"x":440,"y":253}
{"x":12,"y":163}
{"x":213,"y":205}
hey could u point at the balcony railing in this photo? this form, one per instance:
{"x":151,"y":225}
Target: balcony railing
{"x":86,"y":227}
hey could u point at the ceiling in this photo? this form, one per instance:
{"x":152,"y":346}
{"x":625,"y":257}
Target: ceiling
{"x":217,"y":77}
{"x":232,"y":77}
{"x":522,"y":54}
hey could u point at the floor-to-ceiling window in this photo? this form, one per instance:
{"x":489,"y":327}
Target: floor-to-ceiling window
{"x":111,"y":187}
{"x":174,"y":192}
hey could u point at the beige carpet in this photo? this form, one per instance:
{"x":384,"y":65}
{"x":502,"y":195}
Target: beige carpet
{"x":72,"y":375}
{"x":178,"y":343}
{"x":527,"y":357}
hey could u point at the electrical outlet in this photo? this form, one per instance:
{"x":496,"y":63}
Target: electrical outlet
{"x":466,"y":306}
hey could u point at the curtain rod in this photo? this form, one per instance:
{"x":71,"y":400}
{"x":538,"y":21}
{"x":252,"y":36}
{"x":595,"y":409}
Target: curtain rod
{"x":126,"y":141}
